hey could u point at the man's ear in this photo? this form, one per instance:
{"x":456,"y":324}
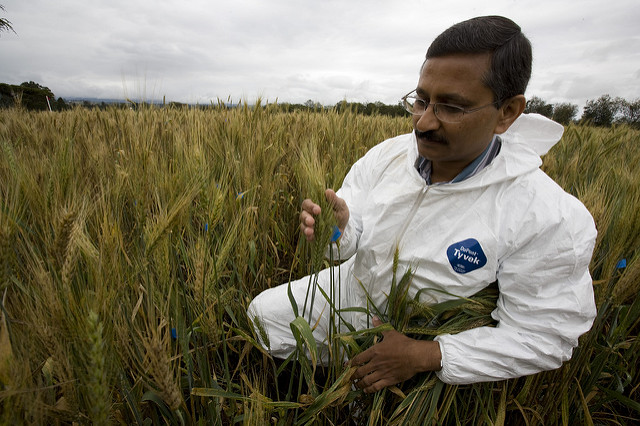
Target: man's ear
{"x":509,"y":111}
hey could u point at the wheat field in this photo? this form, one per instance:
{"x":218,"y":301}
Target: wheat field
{"x":132,"y":241}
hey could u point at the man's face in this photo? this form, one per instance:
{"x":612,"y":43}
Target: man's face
{"x":456,"y":80}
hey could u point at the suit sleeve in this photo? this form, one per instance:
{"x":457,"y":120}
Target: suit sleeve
{"x":355,"y":190}
{"x":546,"y":302}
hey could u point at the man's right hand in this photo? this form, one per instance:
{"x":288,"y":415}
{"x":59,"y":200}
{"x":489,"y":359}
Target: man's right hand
{"x":311,"y":209}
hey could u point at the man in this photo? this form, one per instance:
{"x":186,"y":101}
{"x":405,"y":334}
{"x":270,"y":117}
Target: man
{"x":465,"y":202}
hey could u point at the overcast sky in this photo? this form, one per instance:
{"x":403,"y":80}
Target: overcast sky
{"x":294,"y":50}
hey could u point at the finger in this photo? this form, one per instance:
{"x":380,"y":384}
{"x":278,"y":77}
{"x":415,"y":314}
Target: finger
{"x":377,"y":322}
{"x":360,"y":380}
{"x":372,"y":383}
{"x":308,"y":233}
{"x":306,"y":219}
{"x":340,"y":208}
{"x":364,"y":363}
{"x":375,"y":387}
{"x":363,"y":373}
{"x":330,"y":195}
{"x":336,"y":202}
{"x":311,"y":207}
{"x":307,"y":225}
{"x":365,"y":382}
{"x":362,"y":358}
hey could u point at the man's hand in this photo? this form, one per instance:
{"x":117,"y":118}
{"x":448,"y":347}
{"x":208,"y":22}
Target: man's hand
{"x":311,"y":209}
{"x":393,"y":360}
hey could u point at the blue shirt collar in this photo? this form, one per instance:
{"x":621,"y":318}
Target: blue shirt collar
{"x":483,"y":160}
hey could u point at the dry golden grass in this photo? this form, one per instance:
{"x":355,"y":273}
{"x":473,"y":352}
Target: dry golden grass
{"x":133,"y":241}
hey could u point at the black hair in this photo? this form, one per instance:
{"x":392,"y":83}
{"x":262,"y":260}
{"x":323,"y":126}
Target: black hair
{"x":511,"y":57}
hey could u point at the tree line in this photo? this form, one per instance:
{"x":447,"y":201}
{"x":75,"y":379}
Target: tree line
{"x":31,"y":96}
{"x":604,"y":111}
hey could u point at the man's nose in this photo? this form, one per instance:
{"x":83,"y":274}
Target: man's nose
{"x":427,"y":121}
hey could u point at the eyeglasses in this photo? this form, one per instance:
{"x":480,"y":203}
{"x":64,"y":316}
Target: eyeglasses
{"x":446,"y":113}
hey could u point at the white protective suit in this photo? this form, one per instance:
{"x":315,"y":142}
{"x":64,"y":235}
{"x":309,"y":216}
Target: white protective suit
{"x":509,"y":222}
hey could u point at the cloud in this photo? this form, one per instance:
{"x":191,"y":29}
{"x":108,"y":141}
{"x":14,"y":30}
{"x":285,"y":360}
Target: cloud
{"x":325,"y":51}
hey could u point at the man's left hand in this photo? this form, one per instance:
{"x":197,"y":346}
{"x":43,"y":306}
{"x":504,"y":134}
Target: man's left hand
{"x":393,"y":360}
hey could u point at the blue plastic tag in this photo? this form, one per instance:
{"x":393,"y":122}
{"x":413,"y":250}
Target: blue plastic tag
{"x":336,"y":234}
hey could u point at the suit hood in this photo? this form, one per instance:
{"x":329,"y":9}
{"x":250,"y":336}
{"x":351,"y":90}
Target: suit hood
{"x":526,"y":140}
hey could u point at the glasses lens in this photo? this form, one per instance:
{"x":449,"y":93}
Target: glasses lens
{"x":444,"y":112}
{"x":408,"y":104}
{"x":448,"y":113}
{"x":413,"y":105}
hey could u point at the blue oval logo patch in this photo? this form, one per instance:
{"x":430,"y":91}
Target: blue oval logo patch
{"x":466,"y":256}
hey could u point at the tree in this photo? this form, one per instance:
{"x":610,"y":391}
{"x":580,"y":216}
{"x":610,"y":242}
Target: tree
{"x":564,"y":113}
{"x":539,"y":106}
{"x":629,"y":112}
{"x":35,"y":96}
{"x":29,"y":95}
{"x":602,"y":111}
{"x":7,"y":95}
{"x":310,"y":104}
{"x":61,"y":105}
{"x":5,"y":25}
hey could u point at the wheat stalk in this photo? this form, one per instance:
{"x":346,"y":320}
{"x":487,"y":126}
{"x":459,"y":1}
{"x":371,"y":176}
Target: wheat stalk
{"x":63,"y":236}
{"x":70,"y":257}
{"x":97,"y":386}
{"x":160,"y":366}
{"x":5,"y":261}
{"x":199,"y":270}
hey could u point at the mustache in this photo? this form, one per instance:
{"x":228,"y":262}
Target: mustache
{"x":431,"y":136}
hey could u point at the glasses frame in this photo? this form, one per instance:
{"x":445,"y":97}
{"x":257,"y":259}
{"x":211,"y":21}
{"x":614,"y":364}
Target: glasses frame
{"x":435,"y":105}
